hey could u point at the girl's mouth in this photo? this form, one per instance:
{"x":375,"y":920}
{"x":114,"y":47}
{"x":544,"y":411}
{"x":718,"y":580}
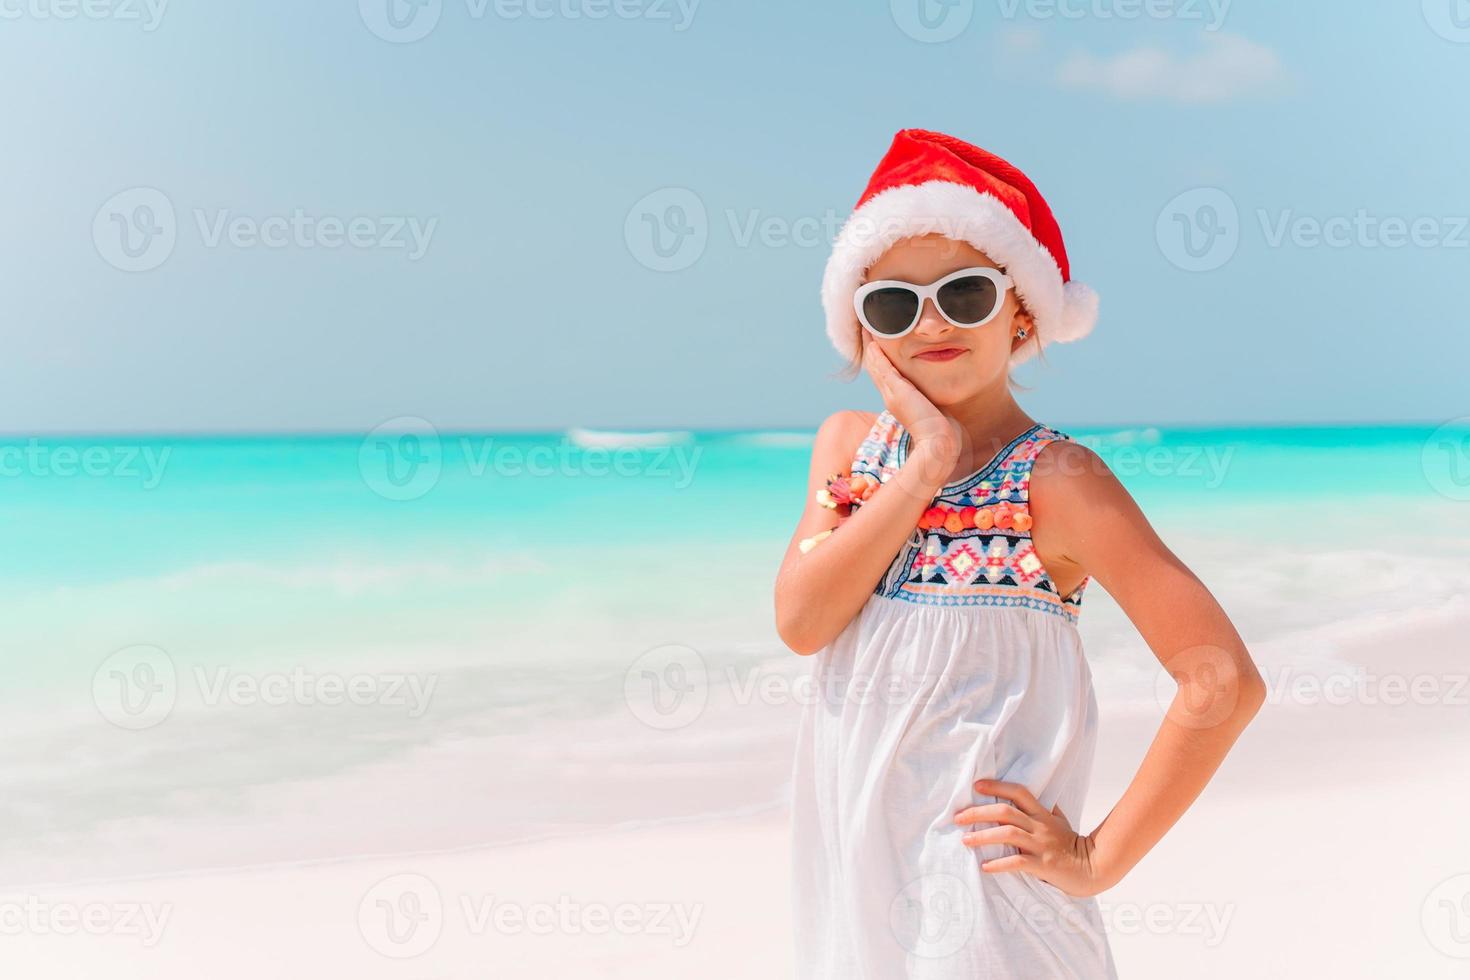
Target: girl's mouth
{"x":940,"y":354}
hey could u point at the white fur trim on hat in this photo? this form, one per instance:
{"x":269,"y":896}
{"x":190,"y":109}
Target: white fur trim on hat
{"x":1062,"y":312}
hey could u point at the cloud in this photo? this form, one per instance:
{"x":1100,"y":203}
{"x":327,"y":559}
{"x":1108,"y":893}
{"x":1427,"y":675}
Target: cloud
{"x":1229,"y":67}
{"x":1021,"y":40}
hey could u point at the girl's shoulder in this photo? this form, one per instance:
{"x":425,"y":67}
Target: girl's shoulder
{"x":857,"y":441}
{"x":1065,"y":473}
{"x":848,"y":428}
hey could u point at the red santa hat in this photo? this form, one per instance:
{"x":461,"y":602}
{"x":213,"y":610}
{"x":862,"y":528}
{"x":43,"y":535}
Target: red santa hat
{"x":930,"y":183}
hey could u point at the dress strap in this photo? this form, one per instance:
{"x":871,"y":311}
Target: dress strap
{"x":1012,"y":477}
{"x":877,"y":454}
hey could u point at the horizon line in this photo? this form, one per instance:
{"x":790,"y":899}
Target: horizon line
{"x":333,"y":433}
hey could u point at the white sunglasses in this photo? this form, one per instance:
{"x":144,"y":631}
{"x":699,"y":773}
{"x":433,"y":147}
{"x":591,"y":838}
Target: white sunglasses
{"x":890,"y":308}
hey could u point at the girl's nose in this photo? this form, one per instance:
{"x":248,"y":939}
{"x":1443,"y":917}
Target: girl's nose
{"x":931,"y":324}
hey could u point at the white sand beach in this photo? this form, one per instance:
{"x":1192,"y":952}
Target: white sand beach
{"x":1331,"y":843}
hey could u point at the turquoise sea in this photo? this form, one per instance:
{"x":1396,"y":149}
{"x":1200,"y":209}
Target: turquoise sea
{"x":514,"y":581}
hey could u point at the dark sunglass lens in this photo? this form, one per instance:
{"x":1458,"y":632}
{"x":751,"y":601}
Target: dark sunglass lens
{"x":890,"y":311}
{"x":968,"y":300}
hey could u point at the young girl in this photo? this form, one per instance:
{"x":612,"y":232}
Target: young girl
{"x":938,"y":580}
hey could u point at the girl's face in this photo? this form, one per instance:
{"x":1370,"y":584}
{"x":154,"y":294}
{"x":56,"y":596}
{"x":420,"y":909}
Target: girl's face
{"x":948,"y":364}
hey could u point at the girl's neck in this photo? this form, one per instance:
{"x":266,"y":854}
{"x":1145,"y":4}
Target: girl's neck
{"x":990,"y":415}
{"x":990,"y":419}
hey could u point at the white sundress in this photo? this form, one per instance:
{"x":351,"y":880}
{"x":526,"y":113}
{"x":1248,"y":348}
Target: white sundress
{"x":964,"y":664}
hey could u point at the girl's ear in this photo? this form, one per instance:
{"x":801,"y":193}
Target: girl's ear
{"x":1023,"y":327}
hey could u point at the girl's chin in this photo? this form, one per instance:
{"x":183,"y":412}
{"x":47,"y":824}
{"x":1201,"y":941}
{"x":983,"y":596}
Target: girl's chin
{"x":951,"y":383}
{"x":942,"y":395}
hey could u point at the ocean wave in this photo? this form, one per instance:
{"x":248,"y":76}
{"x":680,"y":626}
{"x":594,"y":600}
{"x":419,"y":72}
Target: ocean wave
{"x":776,"y":440}
{"x":605,"y":439}
{"x":1149,"y":436}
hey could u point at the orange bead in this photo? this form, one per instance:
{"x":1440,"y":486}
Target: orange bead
{"x":984,"y":519}
{"x":967,"y":516}
{"x":1003,"y":518}
{"x":933,"y":517}
{"x":1022,"y":521}
{"x":953,"y":524}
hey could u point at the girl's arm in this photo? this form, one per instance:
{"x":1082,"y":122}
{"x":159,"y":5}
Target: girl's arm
{"x":820,"y":592}
{"x":1086,"y":523}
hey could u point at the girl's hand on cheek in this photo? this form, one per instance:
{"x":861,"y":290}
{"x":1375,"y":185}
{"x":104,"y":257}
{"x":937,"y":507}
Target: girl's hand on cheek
{"x":930,"y":429}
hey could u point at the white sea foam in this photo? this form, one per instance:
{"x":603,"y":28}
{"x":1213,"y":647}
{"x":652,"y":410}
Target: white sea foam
{"x":604,"y":439}
{"x":1149,"y":436}
{"x":777,"y":440}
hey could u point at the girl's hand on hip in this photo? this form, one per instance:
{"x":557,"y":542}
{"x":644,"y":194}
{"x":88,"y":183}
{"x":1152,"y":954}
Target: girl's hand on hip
{"x":929,"y":428}
{"x":1050,"y":849}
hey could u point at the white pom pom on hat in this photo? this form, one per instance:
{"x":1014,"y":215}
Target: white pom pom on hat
{"x":930,"y":183}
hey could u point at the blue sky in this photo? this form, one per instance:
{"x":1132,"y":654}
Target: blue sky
{"x":286,"y":216}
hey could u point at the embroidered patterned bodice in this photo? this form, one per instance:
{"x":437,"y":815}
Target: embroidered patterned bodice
{"x":973,"y":547}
